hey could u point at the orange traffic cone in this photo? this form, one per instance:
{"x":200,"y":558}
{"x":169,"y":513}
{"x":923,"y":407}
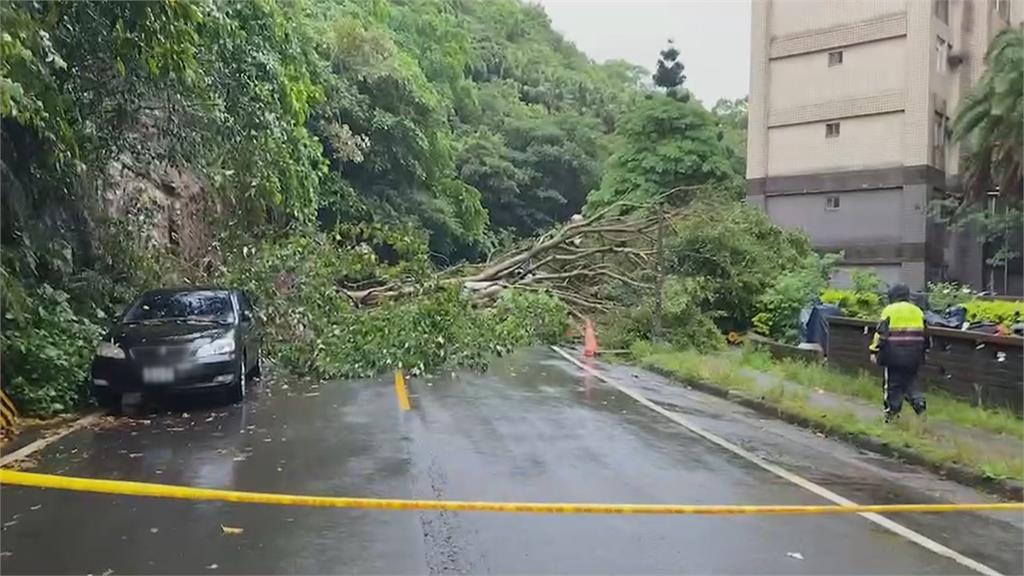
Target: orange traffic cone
{"x":589,"y":340}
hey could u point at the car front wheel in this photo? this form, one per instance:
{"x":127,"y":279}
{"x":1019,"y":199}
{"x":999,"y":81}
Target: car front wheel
{"x":236,"y":391}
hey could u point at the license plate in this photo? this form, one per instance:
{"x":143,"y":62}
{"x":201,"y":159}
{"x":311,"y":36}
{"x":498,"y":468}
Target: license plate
{"x":158,"y":375}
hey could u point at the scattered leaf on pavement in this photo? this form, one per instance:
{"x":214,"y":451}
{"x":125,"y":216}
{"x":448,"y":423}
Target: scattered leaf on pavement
{"x":796,"y":555}
{"x":231,"y":530}
{"x":211,"y":567}
{"x":154,"y":530}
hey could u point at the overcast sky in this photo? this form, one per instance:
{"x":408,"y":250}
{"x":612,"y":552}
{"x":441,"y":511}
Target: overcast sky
{"x":712,"y":35}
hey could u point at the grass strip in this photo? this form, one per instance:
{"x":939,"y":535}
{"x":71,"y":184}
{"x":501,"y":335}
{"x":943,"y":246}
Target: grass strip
{"x":797,"y":381}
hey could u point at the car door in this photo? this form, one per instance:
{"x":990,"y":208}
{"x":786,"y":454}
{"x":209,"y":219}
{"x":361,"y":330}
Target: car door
{"x":250,"y":329}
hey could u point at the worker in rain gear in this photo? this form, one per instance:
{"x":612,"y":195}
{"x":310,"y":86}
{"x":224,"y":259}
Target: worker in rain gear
{"x":899,"y":346}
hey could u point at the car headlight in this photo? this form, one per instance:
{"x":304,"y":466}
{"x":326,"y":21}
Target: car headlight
{"x":220,"y":346}
{"x":110,"y":350}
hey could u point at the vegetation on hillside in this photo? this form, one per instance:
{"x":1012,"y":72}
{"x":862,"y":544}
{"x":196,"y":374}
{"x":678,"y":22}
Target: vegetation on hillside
{"x":311,"y":151}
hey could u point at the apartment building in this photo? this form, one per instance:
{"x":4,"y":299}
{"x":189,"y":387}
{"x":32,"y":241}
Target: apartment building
{"x":849,"y":115}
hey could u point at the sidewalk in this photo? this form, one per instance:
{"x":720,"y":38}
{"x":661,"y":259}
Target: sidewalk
{"x":988,"y":454}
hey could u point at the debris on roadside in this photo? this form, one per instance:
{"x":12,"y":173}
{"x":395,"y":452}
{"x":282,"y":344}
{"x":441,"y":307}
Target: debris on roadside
{"x":231,"y":530}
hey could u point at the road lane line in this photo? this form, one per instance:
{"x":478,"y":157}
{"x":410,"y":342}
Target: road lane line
{"x":41,"y":443}
{"x":401,"y":391}
{"x":915,"y":537}
{"x":152,"y":490}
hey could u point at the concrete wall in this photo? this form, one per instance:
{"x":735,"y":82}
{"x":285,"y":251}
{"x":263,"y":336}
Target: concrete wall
{"x":795,"y":16}
{"x":887,"y":94}
{"x":863,"y":142}
{"x":842,"y":276}
{"x":861,"y":217}
{"x":982,"y":369}
{"x":757,"y":107}
{"x":808,"y":79}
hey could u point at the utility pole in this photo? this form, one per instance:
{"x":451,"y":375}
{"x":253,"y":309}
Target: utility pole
{"x":660,"y":280}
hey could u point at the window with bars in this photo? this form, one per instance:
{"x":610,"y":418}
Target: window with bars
{"x":832,"y":130}
{"x":835,"y":58}
{"x":832,"y":203}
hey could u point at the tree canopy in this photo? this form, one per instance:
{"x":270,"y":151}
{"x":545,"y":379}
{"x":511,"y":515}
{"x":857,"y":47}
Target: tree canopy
{"x":990,"y":121}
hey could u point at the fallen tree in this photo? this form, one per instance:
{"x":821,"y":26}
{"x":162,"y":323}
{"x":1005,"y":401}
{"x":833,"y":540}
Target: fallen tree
{"x":579,"y":262}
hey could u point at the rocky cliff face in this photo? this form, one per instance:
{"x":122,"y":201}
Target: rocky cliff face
{"x":163,"y":206}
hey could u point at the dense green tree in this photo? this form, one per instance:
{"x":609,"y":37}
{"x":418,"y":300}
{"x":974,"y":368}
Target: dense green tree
{"x":990,"y":121}
{"x":732,"y":119}
{"x":661,"y":144}
{"x":669,"y":72}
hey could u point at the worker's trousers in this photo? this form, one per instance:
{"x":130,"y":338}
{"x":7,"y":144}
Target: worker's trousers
{"x":902,"y":383}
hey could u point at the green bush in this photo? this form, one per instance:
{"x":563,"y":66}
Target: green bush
{"x":47,"y":349}
{"x":736,"y":253}
{"x":945,"y":295}
{"x":867,"y":305}
{"x":866,"y":282}
{"x":522,"y":317}
{"x":685,"y":320}
{"x":779,"y":306}
{"x":999,"y":311}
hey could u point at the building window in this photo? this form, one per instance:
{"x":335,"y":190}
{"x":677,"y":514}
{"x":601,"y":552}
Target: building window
{"x":941,"y":55}
{"x":1003,"y":9}
{"x":831,"y":203}
{"x":835,"y":58}
{"x":942,"y":10}
{"x":832,"y":130}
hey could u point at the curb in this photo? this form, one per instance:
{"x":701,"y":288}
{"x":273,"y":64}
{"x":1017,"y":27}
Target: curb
{"x":1009,"y":489}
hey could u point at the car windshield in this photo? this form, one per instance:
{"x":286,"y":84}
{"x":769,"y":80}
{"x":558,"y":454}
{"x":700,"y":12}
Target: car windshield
{"x":205,"y":306}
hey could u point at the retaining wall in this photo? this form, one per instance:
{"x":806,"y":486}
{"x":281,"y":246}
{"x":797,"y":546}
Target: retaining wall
{"x":981,"y":368}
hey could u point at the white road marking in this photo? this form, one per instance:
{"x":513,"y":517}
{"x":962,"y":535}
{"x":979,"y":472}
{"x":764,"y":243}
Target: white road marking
{"x":915,"y":537}
{"x":44,"y":442}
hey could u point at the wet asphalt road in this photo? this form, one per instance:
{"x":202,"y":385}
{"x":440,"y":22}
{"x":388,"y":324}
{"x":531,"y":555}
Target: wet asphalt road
{"x":533,"y":428}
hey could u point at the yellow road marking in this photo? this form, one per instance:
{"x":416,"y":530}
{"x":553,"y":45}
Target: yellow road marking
{"x":401,"y":391}
{"x":122,"y":487}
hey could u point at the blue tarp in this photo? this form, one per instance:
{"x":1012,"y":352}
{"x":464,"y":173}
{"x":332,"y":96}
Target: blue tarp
{"x":814,"y":323}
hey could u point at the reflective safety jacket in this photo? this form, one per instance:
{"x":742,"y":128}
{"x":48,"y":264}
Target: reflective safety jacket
{"x":900,"y":340}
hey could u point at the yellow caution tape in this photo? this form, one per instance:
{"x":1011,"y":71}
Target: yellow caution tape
{"x":8,"y":413}
{"x":12,"y":477}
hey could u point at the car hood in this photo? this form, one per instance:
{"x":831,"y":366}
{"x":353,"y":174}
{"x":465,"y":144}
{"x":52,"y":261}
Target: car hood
{"x":166,"y":333}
